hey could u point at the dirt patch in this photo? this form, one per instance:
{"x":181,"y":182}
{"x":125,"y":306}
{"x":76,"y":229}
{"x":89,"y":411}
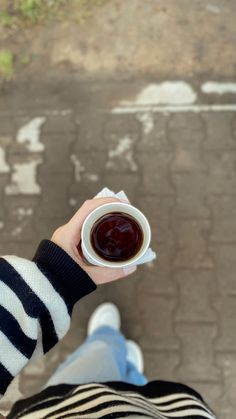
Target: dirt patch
{"x":161,"y":39}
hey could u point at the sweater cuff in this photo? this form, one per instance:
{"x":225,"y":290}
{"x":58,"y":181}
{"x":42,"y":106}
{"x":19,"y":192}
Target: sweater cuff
{"x":66,"y":276}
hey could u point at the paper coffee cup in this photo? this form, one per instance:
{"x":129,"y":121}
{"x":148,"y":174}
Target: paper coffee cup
{"x":87,"y":249}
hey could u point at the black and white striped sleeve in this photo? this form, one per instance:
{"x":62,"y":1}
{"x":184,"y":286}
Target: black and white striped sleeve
{"x":36,"y":302}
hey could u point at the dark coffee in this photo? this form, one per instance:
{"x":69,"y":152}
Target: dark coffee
{"x":116,"y":237}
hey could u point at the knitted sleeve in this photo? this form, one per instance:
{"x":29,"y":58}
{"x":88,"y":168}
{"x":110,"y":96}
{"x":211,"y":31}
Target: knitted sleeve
{"x":36,"y":302}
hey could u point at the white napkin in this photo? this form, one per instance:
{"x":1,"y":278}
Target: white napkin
{"x":107,"y":193}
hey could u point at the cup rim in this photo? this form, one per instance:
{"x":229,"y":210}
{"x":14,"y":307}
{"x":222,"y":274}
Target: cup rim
{"x":101,"y":262}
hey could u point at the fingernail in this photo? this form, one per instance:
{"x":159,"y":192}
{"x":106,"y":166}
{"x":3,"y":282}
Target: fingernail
{"x":126,"y":201}
{"x":129,"y":270}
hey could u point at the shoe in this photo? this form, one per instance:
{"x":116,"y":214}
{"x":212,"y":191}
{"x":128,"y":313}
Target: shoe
{"x":107,"y":314}
{"x":135,"y":355}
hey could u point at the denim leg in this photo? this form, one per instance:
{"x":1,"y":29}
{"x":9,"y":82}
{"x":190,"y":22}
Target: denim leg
{"x":133,"y":376}
{"x":101,"y":358}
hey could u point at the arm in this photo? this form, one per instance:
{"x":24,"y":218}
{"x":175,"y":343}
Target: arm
{"x":37,"y":297}
{"x":36,"y":302}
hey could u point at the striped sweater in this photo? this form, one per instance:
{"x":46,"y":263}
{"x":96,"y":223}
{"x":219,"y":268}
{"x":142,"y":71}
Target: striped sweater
{"x":36,"y":302}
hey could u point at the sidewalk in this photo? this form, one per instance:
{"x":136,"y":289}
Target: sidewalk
{"x":58,"y":148}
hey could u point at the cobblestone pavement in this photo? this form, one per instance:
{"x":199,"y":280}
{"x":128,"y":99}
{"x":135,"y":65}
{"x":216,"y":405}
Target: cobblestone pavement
{"x":177,"y":162}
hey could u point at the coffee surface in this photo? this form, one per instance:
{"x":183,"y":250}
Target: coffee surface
{"x":116,"y":237}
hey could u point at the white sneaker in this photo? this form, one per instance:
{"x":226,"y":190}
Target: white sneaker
{"x":135,"y":355}
{"x":107,"y":314}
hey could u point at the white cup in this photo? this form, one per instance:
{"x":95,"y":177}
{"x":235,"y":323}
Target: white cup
{"x":87,"y":249}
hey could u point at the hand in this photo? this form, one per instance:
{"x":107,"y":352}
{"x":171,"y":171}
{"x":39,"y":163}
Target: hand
{"x":68,"y":238}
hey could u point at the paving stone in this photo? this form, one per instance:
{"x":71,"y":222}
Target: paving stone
{"x":222,"y":171}
{"x":5,"y":140}
{"x":191,"y":244}
{"x":87,"y":173}
{"x":83,"y":190}
{"x":17,"y":230}
{"x":27,"y":134}
{"x":224,"y":256}
{"x":187,"y":151}
{"x":219,"y":131}
{"x":186,"y":135}
{"x":161,"y":365}
{"x":19,"y":222}
{"x":158,"y":212}
{"x":120,"y":156}
{"x":55,"y":195}
{"x":123,"y":181}
{"x":188,"y":159}
{"x":154,"y":135}
{"x":21,"y":158}
{"x":119,"y":125}
{"x":22,"y":249}
{"x":61,"y":160}
{"x":191,"y":195}
{"x":197,"y":342}
{"x":20,"y":120}
{"x":2,"y":209}
{"x":21,"y":206}
{"x":6,"y":126}
{"x":91,"y":163}
{"x":224,"y":214}
{"x":196,"y":290}
{"x":121,"y":294}
{"x":157,"y":316}
{"x":227,"y":401}
{"x":155,"y":171}
{"x":185,"y":121}
{"x":156,"y":277}
{"x":4,"y":179}
{"x":60,"y":124}
{"x":45,"y":227}
{"x":234,"y":126}
{"x":226,"y":339}
{"x":90,"y":133}
{"x":35,"y":97}
{"x":191,"y":138}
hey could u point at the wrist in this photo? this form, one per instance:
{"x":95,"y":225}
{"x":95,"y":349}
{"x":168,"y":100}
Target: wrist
{"x":71,"y":281}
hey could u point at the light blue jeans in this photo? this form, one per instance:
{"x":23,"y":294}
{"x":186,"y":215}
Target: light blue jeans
{"x":101,"y":358}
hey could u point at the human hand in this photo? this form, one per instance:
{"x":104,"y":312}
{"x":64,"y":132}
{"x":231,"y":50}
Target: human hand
{"x":68,"y":238}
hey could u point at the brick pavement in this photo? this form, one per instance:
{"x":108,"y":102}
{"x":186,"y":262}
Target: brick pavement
{"x":179,"y":168}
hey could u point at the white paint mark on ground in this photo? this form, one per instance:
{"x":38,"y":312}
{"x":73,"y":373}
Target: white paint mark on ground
{"x":17,"y":231}
{"x":219,"y":88}
{"x":212,"y":8}
{"x":62,"y":112}
{"x":123,"y":151}
{"x":30,"y":134}
{"x":23,"y":180}
{"x":46,"y":112}
{"x":147,"y":121}
{"x":150,"y":265}
{"x":72,"y":202}
{"x":168,"y":92}
{"x":21,"y":213}
{"x":174,"y":109}
{"x":79,"y":168}
{"x":4,"y":167}
{"x":92,"y":177}
{"x":1,"y":225}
